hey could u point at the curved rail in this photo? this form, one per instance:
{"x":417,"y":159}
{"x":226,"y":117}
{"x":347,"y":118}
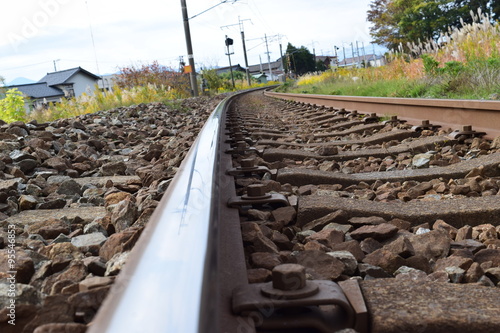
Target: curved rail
{"x":167,"y":266}
{"x":484,"y":115}
{"x":170,"y":281}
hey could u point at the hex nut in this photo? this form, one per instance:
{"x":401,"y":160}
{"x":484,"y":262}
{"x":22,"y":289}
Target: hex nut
{"x":256,"y":190}
{"x":289,"y":277}
{"x":247,"y":163}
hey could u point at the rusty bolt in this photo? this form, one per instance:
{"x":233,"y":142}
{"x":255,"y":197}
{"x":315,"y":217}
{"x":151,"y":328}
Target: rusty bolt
{"x":467,"y":128}
{"x":238,"y":136}
{"x":247,"y":163}
{"x":289,"y":277}
{"x":256,"y":190}
{"x":425,"y":122}
{"x":394,"y":118}
{"x":373,"y":115}
{"x":241,"y":145}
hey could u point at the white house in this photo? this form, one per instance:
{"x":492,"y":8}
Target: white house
{"x":107,"y":82}
{"x":56,"y":85}
{"x":370,"y":60}
{"x":276,"y":73}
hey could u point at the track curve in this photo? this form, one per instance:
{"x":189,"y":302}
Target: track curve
{"x":394,"y":225}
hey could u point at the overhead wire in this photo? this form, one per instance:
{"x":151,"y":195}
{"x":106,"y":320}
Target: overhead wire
{"x":24,"y":66}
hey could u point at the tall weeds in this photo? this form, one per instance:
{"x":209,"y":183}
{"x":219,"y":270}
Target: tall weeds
{"x":106,"y":100}
{"x":463,"y":63}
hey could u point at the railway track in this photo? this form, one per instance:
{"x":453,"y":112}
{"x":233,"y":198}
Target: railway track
{"x":292,"y":217}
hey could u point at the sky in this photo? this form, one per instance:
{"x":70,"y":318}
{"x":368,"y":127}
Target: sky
{"x":38,"y":36}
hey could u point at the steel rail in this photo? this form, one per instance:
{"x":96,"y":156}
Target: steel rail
{"x":484,"y":116}
{"x":161,"y":287}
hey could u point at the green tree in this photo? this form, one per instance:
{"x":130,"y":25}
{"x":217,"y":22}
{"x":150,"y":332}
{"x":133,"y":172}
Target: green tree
{"x":421,"y":19}
{"x":214,"y":81}
{"x":12,"y":106}
{"x":403,"y":21}
{"x":300,"y":60}
{"x":320,"y":66}
{"x":384,"y":30}
{"x":238,"y":75}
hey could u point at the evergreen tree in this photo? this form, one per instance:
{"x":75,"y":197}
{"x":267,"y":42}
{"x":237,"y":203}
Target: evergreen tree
{"x":300,"y":60}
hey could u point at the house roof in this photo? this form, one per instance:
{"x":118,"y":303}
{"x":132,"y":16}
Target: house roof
{"x":46,"y":87}
{"x":236,"y":67}
{"x":38,"y":90}
{"x":265,"y":67}
{"x":61,"y":77}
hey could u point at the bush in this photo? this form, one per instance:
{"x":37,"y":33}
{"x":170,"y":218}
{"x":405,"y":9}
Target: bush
{"x":12,"y":106}
{"x":155,"y":74}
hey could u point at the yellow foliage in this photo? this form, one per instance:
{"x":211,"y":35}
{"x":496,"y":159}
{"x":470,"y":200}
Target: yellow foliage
{"x":476,"y":42}
{"x":106,"y":100}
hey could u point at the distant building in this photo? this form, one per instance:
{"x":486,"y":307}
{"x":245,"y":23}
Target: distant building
{"x":260,"y":78}
{"x":369,"y":60}
{"x":327,"y":60}
{"x":57,"y":85}
{"x":275,"y":74}
{"x":222,"y":70}
{"x":106,"y":82}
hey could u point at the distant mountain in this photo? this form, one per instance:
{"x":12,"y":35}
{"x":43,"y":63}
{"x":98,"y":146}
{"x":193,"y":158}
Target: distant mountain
{"x":20,"y":80}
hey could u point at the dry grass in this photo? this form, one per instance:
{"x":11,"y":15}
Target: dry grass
{"x":464,"y":63}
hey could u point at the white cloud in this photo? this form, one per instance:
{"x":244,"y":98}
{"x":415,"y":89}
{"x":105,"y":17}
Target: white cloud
{"x":133,"y":31}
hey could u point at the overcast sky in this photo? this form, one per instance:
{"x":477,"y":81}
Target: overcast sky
{"x":34,"y":33}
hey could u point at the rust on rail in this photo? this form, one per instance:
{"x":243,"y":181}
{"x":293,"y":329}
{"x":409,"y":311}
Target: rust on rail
{"x":484,"y":116}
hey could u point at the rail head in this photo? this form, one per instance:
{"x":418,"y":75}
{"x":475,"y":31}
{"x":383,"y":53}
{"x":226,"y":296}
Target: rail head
{"x":160,"y":287}
{"x":482,"y":115}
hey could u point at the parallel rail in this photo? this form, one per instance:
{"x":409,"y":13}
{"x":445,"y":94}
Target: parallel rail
{"x":484,"y":116}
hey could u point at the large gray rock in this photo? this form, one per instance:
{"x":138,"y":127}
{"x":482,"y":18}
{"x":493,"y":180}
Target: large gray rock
{"x":320,"y":265}
{"x":93,"y":239}
{"x":123,"y":215}
{"x":115,"y":264}
{"x":350,"y":262}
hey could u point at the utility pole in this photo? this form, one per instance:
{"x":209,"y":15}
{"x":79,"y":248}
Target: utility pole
{"x":364,"y":53}
{"x":357,"y":49}
{"x":352,"y":52}
{"x":343,"y":50}
{"x":189,"y":46}
{"x":240,"y":24}
{"x":268,"y":59}
{"x":281,"y":58}
{"x":247,"y":70}
{"x":55,"y":69}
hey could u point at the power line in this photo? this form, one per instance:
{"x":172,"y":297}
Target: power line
{"x":92,"y":36}
{"x":24,"y":66}
{"x":206,"y":10}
